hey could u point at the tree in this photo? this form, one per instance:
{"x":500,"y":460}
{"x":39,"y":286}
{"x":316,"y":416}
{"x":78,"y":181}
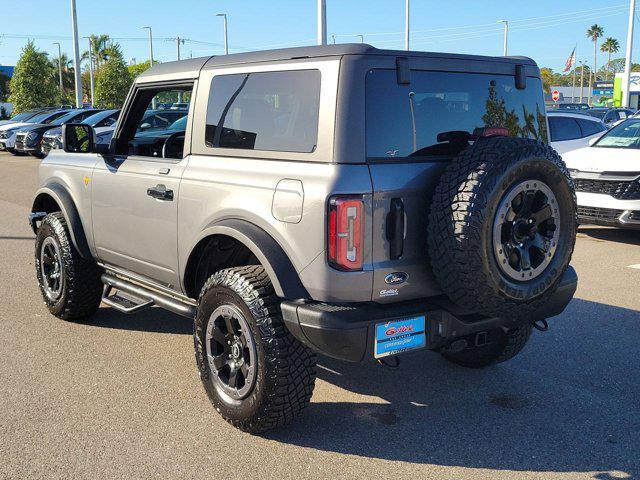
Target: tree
{"x":138,"y":68}
{"x":594,"y":33}
{"x":112,"y":83}
{"x":4,"y":87}
{"x":609,"y":46}
{"x":548,"y":79}
{"x":99,"y":49}
{"x":67,"y":96}
{"x":33,"y":83}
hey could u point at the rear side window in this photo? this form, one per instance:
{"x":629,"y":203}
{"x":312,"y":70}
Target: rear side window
{"x":590,"y":128}
{"x":564,"y":128}
{"x":438,"y":111}
{"x":276,"y":111}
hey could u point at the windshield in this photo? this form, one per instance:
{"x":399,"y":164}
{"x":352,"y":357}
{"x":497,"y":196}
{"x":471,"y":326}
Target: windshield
{"x":180,"y":124}
{"x":96,"y":118}
{"x":23,"y":116}
{"x":41,"y":117}
{"x":625,"y":135}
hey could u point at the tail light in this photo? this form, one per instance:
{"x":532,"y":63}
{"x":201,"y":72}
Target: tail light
{"x":345,"y":232}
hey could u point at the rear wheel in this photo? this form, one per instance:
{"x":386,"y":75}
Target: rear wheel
{"x":501,"y":347}
{"x":257,"y":375}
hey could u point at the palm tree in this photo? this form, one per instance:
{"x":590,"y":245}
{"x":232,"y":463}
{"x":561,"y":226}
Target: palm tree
{"x":100,"y":49}
{"x":594,"y":33}
{"x":610,"y":46}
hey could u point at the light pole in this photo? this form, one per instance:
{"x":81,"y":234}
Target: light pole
{"x":333,"y":39}
{"x":627,"y":58}
{"x":506,"y":34}
{"x":581,"y":79}
{"x":573,"y":88}
{"x":406,"y":26}
{"x":322,"y":22}
{"x":361,"y":38}
{"x":60,"y":69}
{"x":76,"y":54}
{"x":91,"y":69}
{"x":150,"y":45}
{"x":226,"y":37}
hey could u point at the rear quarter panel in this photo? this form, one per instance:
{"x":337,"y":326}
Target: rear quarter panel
{"x":221,"y":184}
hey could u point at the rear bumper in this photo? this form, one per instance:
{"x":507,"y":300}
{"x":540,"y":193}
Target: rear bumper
{"x":346,"y":331}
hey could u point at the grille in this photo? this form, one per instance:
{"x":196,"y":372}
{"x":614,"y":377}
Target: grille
{"x":595,"y":213}
{"x":617,"y":189}
{"x":20,"y":140}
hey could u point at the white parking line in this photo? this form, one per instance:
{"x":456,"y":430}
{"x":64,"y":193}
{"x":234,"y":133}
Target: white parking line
{"x":637,"y":266}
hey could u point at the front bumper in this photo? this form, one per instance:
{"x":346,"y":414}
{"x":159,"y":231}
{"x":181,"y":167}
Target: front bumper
{"x":346,"y":332}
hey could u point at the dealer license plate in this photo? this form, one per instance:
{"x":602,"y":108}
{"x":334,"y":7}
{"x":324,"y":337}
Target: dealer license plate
{"x":399,"y":336}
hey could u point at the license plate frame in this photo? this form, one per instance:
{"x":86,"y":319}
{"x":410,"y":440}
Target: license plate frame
{"x":401,"y":335}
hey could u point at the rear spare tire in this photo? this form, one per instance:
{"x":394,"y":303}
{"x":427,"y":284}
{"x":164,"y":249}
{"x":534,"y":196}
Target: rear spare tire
{"x":502,"y":226}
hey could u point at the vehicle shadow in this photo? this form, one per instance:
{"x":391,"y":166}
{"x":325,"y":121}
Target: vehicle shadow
{"x":569,"y":403}
{"x":620,"y":235}
{"x":153,"y":319}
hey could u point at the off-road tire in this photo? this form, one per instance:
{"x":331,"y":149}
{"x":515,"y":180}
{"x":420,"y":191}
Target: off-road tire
{"x":286,"y":369}
{"x":461,"y":220}
{"x":503,"y":346}
{"x":82,"y":288}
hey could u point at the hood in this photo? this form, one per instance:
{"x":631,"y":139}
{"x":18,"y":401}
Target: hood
{"x":53,"y":132}
{"x":603,"y":159}
{"x":37,"y":127}
{"x":12,"y":125}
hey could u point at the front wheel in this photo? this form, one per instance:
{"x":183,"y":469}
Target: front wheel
{"x":257,"y":375}
{"x":70,"y":285}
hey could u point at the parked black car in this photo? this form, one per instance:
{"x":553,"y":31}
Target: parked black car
{"x":610,"y":115}
{"x":52,"y":138}
{"x":8,"y":131}
{"x":29,"y":139}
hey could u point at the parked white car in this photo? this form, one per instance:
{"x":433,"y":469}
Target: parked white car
{"x":607,"y":177}
{"x":569,"y":131}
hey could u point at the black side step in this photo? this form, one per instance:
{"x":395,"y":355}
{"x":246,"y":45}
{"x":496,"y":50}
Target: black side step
{"x":132,"y":297}
{"x":123,"y":302}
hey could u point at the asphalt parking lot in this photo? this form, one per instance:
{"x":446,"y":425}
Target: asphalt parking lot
{"x":119,"y":396}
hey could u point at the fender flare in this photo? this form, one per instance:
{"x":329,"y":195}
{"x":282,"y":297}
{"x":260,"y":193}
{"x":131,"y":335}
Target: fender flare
{"x":275,"y":261}
{"x":68,"y":208}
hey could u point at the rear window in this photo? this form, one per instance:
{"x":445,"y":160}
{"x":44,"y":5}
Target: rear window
{"x":590,"y":128}
{"x":443,"y":109}
{"x":276,"y":111}
{"x":564,"y":128}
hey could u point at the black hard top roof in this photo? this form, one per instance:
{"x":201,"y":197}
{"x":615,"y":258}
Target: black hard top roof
{"x":316,"y":51}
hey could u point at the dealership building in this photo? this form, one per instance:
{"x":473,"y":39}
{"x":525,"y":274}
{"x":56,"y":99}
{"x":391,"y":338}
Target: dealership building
{"x":634,"y":90}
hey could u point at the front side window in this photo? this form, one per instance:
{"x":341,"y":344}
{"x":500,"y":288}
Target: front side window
{"x":624,"y":135}
{"x":149,"y":132}
{"x":275,"y":111}
{"x":438,"y":112}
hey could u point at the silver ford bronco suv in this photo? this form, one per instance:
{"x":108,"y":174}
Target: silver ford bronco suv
{"x":343,"y":200}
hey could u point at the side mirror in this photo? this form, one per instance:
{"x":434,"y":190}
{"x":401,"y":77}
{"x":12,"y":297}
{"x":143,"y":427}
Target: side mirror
{"x":593,"y":141}
{"x":145,"y":126}
{"x":77,"y":138}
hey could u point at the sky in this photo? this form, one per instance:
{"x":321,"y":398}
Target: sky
{"x":544,"y":30}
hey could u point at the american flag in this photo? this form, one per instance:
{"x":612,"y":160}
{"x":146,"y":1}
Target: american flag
{"x":570,"y":61}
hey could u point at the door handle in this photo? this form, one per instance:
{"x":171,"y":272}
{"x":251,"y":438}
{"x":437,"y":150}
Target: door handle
{"x":395,"y":228}
{"x":160,"y":192}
